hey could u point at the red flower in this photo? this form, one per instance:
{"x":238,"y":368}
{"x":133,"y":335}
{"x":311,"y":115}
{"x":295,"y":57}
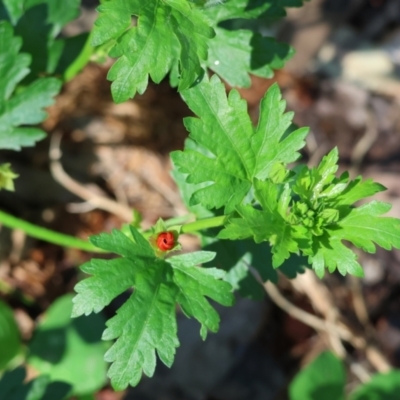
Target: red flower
{"x":165,"y":241}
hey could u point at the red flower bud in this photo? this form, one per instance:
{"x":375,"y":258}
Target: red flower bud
{"x":165,"y":241}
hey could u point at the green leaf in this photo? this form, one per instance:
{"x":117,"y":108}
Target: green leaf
{"x":330,"y":252}
{"x":76,"y":53}
{"x":232,"y":9}
{"x":324,"y":378}
{"x":357,"y":190}
{"x":385,"y":386}
{"x":310,"y":183}
{"x":265,"y":226}
{"x":7,"y":177}
{"x":240,"y":153}
{"x":237,"y":257}
{"x":67,"y":349}
{"x":174,"y":36}
{"x":148,"y":49}
{"x":37,"y":41}
{"x":25,"y":107}
{"x":269,"y":224}
{"x":363,"y":227}
{"x":146,"y":322}
{"x":270,"y":143}
{"x":49,"y":54}
{"x":235,"y":54}
{"x":251,"y":223}
{"x":186,"y":190}
{"x":195,"y":284}
{"x":10,"y":341}
{"x":38,"y":23}
{"x":59,"y":13}
{"x":13,"y":387}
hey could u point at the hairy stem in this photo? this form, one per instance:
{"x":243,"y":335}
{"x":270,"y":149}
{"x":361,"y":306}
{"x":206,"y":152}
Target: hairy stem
{"x":202,"y":224}
{"x":70,"y":241}
{"x":46,"y":234}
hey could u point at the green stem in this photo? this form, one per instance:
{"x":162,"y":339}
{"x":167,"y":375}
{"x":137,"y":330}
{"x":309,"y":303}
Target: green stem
{"x":70,"y":241}
{"x":203,"y":224}
{"x":46,"y":234}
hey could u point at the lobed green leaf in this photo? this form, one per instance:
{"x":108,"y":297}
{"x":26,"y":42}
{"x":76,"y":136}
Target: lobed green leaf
{"x":146,"y":323}
{"x":238,"y":152}
{"x":165,"y":30}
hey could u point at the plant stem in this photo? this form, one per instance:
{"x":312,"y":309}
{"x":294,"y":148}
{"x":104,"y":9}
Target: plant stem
{"x":70,"y":241}
{"x":203,"y":224}
{"x":46,"y":234}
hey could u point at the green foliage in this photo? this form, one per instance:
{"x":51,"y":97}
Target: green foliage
{"x":146,"y":323}
{"x":247,"y":9}
{"x":70,"y":350}
{"x":10,"y":342}
{"x":12,"y":387}
{"x":183,"y":36}
{"x":237,"y":257}
{"x":326,"y":207}
{"x":385,"y":386}
{"x":234,"y":53}
{"x":239,"y":153}
{"x":324,"y":378}
{"x":38,"y":23}
{"x":24,"y":107}
{"x":59,"y":13}
{"x":243,"y":169}
{"x":232,"y":175}
{"x":165,"y":30}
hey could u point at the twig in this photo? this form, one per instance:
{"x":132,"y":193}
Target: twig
{"x":360,"y":150}
{"x":322,"y":300}
{"x":304,"y":316}
{"x":359,"y":305}
{"x":364,"y":144}
{"x":338,"y":329}
{"x":165,"y":191}
{"x":360,"y":372}
{"x":77,"y":188}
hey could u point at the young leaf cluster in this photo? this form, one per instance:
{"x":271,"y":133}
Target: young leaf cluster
{"x":146,"y":323}
{"x":244,"y":169}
